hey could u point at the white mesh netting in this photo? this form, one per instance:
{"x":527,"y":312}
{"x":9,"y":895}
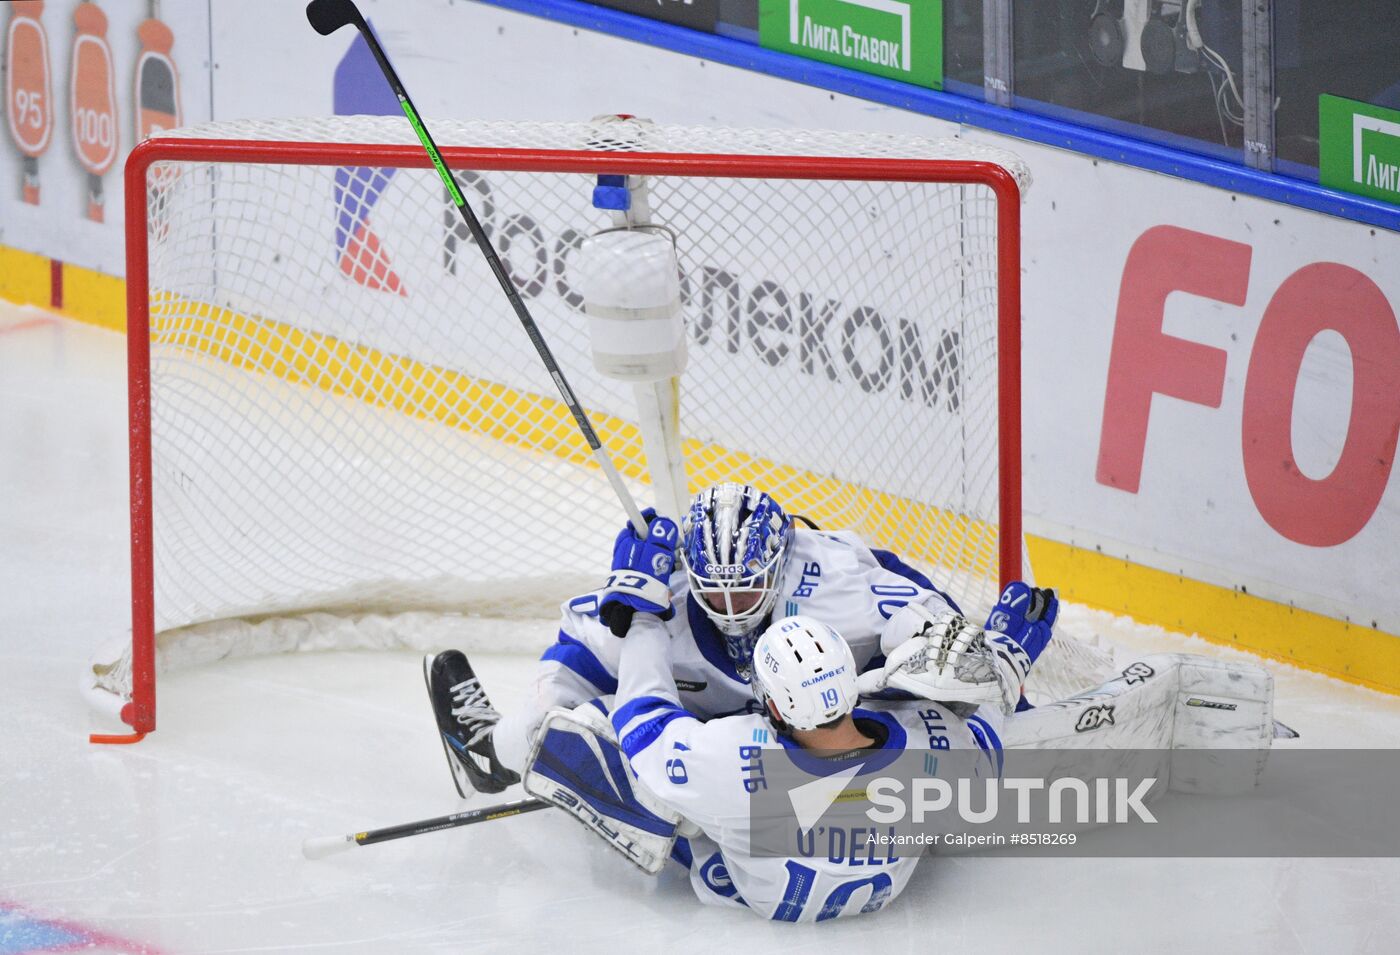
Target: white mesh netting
{"x":346,"y":416}
{"x":607,"y":134}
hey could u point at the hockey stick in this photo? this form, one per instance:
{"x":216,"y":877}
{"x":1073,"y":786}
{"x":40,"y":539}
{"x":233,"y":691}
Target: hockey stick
{"x":318,"y":847}
{"x":327,"y":16}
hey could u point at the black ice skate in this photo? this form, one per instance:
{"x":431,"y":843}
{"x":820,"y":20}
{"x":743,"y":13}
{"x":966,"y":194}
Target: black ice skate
{"x":465,"y":720}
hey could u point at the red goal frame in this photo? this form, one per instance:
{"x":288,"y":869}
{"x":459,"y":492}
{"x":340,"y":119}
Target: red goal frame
{"x":140,"y":712}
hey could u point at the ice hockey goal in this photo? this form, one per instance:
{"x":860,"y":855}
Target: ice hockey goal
{"x":335,"y":417}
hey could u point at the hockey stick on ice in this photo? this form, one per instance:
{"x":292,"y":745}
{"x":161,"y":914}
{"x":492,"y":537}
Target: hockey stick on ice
{"x":326,"y":17}
{"x":318,"y":847}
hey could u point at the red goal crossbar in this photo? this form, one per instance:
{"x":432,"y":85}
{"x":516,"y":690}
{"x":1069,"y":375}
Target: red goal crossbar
{"x":140,"y":712}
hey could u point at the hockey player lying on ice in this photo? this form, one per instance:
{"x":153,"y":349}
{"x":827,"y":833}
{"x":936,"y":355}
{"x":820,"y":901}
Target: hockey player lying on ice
{"x":700,"y":775}
{"x":741,"y":562}
{"x":690,"y":783}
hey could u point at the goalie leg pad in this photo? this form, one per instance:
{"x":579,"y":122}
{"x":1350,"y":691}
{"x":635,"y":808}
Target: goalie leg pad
{"x":1223,"y":726}
{"x":1190,"y":706}
{"x":576,"y":765}
{"x":1134,"y":710}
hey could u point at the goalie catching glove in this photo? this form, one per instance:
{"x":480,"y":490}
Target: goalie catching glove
{"x":641,"y":574}
{"x":938,"y":655}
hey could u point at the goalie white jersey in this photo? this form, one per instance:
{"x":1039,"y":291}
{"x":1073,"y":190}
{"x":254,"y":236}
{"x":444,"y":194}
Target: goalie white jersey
{"x":708,"y":771}
{"x":832,"y":576}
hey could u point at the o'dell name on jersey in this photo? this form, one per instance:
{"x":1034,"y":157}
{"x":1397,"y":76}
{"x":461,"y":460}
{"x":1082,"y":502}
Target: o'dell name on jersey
{"x":899,"y":39}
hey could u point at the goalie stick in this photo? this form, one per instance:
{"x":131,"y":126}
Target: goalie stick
{"x":318,"y":847}
{"x":328,"y":16}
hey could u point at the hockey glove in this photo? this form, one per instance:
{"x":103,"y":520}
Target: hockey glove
{"x":947,"y":660}
{"x":641,"y":574}
{"x":1026,"y":614}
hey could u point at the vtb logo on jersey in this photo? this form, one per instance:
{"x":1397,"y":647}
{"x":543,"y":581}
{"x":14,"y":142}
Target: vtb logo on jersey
{"x":1094,"y":717}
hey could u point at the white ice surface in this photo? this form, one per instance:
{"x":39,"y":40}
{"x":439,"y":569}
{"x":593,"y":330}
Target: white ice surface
{"x":189,"y":841}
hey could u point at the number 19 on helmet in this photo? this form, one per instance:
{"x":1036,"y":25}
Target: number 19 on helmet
{"x":806,"y":670}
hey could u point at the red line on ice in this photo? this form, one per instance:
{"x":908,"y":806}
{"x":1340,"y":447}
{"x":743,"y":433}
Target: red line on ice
{"x":28,"y":324}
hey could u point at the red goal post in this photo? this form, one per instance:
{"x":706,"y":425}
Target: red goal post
{"x":201,"y":193}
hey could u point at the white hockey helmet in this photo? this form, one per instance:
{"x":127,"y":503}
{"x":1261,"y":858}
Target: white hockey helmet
{"x":807,"y":670}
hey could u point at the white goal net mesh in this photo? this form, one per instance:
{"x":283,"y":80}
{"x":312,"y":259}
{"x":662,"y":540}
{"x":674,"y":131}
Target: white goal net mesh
{"x":347,"y":418}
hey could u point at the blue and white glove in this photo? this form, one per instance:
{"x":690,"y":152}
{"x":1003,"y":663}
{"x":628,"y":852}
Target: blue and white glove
{"x":1026,"y":614}
{"x":946,"y":659}
{"x":641,"y":573}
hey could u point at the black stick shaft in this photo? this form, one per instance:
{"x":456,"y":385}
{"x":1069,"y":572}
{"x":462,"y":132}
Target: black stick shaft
{"x":456,"y":820}
{"x":351,"y":14}
{"x":322,"y":846}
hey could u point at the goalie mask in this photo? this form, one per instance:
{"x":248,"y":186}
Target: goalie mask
{"x":806,"y":669}
{"x":734,"y":545}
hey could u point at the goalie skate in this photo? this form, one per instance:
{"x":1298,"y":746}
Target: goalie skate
{"x":465,"y":720}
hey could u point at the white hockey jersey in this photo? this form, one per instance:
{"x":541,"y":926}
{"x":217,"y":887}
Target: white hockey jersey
{"x":708,"y":771}
{"x":832,"y":576}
